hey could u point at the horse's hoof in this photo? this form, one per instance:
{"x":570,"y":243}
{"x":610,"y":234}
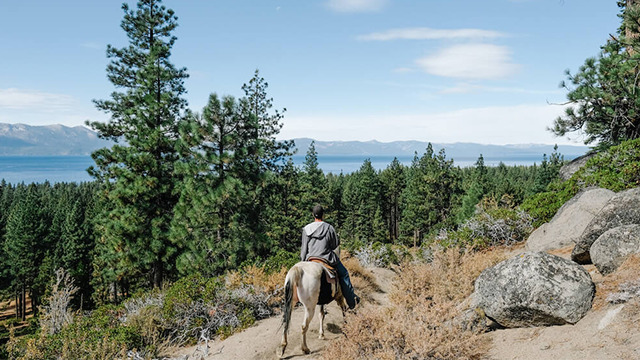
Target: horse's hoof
{"x":280,"y":352}
{"x":306,"y":350}
{"x":321,"y":337}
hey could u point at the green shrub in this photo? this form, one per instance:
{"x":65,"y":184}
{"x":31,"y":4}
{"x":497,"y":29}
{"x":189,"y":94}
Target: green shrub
{"x":101,"y":335}
{"x":281,"y":259}
{"x":616,"y":169}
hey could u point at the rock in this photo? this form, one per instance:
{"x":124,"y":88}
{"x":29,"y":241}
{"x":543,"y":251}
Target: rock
{"x":570,"y":221}
{"x":622,"y":209}
{"x":567,"y":170}
{"x":610,"y":250}
{"x":534,"y":289}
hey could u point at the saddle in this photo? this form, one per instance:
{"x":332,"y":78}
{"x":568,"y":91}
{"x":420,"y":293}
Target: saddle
{"x":329,"y":286}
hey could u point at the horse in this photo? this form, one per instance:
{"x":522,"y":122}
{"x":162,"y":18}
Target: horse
{"x":303,"y":283}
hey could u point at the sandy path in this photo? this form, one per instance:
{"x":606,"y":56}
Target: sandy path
{"x":262,"y":340}
{"x":612,"y":332}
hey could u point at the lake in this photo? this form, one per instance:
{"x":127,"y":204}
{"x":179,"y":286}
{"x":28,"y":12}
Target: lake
{"x":28,"y":169}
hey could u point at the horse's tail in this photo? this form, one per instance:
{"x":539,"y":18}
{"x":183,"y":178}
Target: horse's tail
{"x":291,"y":282}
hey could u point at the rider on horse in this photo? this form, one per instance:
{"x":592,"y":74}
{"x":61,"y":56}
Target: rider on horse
{"x":319,"y":240}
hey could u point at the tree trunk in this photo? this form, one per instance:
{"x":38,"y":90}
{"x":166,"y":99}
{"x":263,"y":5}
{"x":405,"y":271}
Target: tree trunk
{"x":18,"y":306}
{"x":23,"y":302}
{"x":157,"y":274}
{"x":631,"y":34}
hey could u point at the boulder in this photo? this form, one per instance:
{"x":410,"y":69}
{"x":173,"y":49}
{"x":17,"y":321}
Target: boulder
{"x":570,"y":168}
{"x":610,"y":250}
{"x":534,"y":289}
{"x":570,"y":220}
{"x":622,"y":209}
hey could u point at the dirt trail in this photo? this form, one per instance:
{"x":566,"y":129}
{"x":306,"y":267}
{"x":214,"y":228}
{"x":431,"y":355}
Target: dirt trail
{"x":262,"y":340}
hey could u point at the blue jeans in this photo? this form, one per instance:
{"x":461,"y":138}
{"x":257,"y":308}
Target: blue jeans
{"x":345,"y":285}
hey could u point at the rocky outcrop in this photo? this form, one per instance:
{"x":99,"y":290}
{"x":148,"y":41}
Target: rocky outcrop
{"x":610,"y":250}
{"x":570,"y":221}
{"x":534,"y":289}
{"x":567,"y":170}
{"x":622,"y":209}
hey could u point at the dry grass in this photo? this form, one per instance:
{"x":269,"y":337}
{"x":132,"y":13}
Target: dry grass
{"x":261,"y":281}
{"x":418,"y":324}
{"x":610,"y":284}
{"x":362,"y":279}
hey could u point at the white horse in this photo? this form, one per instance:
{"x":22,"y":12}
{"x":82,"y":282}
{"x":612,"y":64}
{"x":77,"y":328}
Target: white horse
{"x":303,"y":284}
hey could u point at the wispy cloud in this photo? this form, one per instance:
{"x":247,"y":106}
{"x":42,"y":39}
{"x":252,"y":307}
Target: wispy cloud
{"x":465,"y":88}
{"x":356,"y":5}
{"x":518,"y":124}
{"x":424,"y":33}
{"x":470,"y":61}
{"x":15,"y":99}
{"x":41,"y":108}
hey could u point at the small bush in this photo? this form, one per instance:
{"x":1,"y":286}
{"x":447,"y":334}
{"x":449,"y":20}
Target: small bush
{"x":490,"y":227}
{"x":377,"y":254}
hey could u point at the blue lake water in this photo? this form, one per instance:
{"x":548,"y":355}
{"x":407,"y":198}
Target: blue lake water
{"x":28,"y":169}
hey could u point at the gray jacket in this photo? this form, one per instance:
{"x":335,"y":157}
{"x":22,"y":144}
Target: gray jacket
{"x":319,"y":239}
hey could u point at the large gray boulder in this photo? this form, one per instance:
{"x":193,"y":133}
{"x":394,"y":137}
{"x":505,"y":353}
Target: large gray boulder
{"x":567,"y":170}
{"x":534,"y":289}
{"x":570,"y":221}
{"x":622,"y":209}
{"x":610,"y":250}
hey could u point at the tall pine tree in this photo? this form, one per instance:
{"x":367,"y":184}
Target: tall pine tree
{"x":138,"y":173}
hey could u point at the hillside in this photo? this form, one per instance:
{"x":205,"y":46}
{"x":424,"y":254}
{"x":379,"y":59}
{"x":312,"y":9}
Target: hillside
{"x":20,"y":139}
{"x":26,"y":140}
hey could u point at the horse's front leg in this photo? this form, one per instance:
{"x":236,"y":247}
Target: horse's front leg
{"x":308,"y":315}
{"x":321,"y":315}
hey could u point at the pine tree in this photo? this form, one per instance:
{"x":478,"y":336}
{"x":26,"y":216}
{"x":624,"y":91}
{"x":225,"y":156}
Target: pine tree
{"x":476,"y":189}
{"x":313,"y":181}
{"x":285,"y":215}
{"x":138,"y":173}
{"x":24,"y":244}
{"x":228,"y":155}
{"x":605,"y":103}
{"x":211,"y":192}
{"x":393,"y":178}
{"x":364,"y":222}
{"x":433,"y":184}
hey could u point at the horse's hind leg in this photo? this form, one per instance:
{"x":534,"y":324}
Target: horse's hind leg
{"x":308,"y":315}
{"x":283,"y":345}
{"x":321,"y":315}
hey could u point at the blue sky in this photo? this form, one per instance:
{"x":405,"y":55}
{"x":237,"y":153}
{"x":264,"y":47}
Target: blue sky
{"x":430,"y":70}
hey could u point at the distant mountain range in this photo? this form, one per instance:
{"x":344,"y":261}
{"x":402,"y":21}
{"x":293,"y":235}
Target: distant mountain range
{"x":457,"y":151}
{"x":25,"y":140}
{"x":20,"y":139}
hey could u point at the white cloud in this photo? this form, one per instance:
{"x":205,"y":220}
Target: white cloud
{"x":430,"y":34}
{"x":40,"y":108}
{"x":356,"y":5}
{"x":29,"y":99}
{"x":470,"y":61}
{"x":519,"y":124}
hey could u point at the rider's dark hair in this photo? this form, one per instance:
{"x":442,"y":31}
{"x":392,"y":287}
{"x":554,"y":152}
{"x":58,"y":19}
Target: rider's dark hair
{"x":318,"y":212}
